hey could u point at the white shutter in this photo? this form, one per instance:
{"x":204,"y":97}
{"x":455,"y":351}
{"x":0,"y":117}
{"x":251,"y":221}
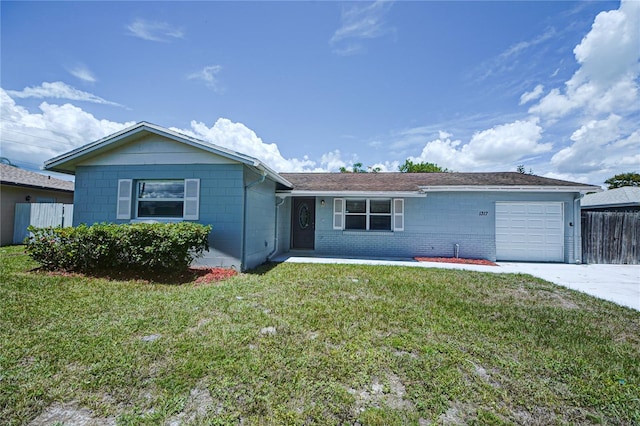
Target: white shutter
{"x":338,"y":213}
{"x":191,"y":199}
{"x":124,"y":198}
{"x":398,"y":214}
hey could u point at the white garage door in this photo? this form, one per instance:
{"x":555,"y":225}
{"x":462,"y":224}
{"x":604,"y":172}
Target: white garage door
{"x":530,"y":232}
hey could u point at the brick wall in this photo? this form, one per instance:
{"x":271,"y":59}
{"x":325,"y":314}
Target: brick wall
{"x":433,"y":225}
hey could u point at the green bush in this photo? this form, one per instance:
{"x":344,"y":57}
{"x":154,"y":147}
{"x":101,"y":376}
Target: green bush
{"x":140,"y":246}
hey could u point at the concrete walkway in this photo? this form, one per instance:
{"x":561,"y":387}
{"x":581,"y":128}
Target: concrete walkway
{"x":617,"y":283}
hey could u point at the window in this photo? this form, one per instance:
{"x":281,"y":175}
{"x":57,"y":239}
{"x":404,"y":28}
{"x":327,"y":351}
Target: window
{"x":368,"y":214}
{"x":175,"y":198}
{"x":160,"y":198}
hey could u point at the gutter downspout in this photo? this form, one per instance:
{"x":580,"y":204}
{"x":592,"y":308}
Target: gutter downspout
{"x":244,"y":217}
{"x":577,"y":230}
{"x":275,"y":237}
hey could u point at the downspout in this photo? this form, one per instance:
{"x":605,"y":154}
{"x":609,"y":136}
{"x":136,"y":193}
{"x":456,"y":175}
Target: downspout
{"x":577,"y":230}
{"x":244,"y":216}
{"x":275,"y":237}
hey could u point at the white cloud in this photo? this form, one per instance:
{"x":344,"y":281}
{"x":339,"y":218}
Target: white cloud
{"x":59,"y":90}
{"x":599,"y":146}
{"x":83,"y":73}
{"x":238,"y":137}
{"x":154,"y":30}
{"x":387,"y":166}
{"x":533,"y":95}
{"x":360,"y":22}
{"x":606,"y":81}
{"x":499,"y":146}
{"x":209,"y":75}
{"x":31,"y":138}
{"x":332,"y":160}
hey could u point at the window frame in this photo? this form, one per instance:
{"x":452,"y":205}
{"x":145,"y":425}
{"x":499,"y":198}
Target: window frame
{"x":341,"y":215}
{"x":138,"y":199}
{"x":128,"y":194}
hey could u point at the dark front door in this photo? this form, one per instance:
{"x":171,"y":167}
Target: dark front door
{"x":303,"y":223}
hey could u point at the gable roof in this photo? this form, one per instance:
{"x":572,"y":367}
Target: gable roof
{"x":626,"y":196}
{"x":67,"y":162}
{"x":420,"y":183}
{"x":10,"y":175}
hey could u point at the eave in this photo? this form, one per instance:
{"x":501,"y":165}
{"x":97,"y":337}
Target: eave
{"x":67,"y":162}
{"x":491,"y":188}
{"x":347,"y":194}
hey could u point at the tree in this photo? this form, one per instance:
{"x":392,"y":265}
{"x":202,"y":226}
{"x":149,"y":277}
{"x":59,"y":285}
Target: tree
{"x":623,"y":179}
{"x":521,"y":169}
{"x":411,"y":167}
{"x":357,"y":168}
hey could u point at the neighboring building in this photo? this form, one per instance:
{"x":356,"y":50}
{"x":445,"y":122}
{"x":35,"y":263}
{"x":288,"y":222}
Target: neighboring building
{"x":626,"y":198}
{"x":149,"y":173}
{"x":22,"y":186}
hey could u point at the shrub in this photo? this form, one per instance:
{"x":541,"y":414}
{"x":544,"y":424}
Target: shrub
{"x":140,"y":246}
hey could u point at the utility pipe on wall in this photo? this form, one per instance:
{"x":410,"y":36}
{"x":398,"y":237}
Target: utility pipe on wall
{"x":275,"y":237}
{"x":577,"y":230}
{"x":244,"y":216}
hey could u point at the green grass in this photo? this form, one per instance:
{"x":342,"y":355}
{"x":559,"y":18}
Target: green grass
{"x":353,"y":344}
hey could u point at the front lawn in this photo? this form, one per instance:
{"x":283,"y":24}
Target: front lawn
{"x":314,"y":344}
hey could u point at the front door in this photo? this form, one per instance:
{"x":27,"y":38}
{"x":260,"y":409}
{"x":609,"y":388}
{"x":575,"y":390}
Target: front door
{"x":303,"y":223}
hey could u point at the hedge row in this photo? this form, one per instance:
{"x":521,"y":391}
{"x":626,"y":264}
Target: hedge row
{"x":140,"y":246}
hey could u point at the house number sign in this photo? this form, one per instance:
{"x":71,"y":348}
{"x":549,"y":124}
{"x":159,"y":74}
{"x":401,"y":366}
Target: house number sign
{"x":483,"y":213}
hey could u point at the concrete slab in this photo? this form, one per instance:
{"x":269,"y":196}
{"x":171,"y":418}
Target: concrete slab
{"x":617,"y":283}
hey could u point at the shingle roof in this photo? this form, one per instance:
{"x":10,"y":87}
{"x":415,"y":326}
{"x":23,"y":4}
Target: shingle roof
{"x":619,"y":197}
{"x":14,"y":176}
{"x":391,"y":182}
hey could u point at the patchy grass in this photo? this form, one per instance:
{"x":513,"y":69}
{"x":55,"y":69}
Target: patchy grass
{"x":325,"y":344}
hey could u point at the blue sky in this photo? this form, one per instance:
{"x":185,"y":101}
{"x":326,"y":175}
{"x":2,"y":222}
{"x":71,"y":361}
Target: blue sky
{"x":313,"y":86}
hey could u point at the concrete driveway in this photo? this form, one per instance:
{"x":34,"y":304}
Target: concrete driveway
{"x":617,"y":283}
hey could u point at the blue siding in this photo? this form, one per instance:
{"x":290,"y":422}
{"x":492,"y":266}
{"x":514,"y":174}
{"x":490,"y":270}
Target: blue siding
{"x":221,"y":201}
{"x":260,"y":220}
{"x":433,"y":225}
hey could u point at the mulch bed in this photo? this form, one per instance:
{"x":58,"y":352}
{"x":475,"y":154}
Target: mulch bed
{"x":211,"y":275}
{"x":456,"y":260}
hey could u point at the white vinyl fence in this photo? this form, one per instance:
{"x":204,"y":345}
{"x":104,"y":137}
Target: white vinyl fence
{"x":40,"y":215}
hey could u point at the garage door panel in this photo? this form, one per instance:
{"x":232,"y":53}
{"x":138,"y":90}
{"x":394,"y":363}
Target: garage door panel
{"x":530,"y":231}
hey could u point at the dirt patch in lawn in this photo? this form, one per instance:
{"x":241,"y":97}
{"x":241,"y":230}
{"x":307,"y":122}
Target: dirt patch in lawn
{"x":459,"y":260}
{"x":199,"y":275}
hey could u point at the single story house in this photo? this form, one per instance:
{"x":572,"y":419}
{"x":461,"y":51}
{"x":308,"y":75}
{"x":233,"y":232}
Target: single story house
{"x":22,"y":186}
{"x":624,"y":199}
{"x":147,"y":172}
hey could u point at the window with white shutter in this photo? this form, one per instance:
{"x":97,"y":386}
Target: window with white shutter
{"x":159,"y":199}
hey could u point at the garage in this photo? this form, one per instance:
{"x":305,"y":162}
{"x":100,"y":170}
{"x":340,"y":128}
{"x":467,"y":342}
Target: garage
{"x":530,"y":231}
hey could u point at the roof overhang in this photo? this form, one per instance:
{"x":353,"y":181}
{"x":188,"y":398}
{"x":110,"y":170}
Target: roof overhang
{"x":66,"y":163}
{"x":612,"y":205}
{"x":491,"y":188}
{"x":33,"y":186}
{"x":346,"y":194}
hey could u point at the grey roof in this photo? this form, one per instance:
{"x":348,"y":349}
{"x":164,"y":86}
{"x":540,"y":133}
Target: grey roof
{"x":420,"y":182}
{"x":619,"y":197}
{"x":11,"y":175}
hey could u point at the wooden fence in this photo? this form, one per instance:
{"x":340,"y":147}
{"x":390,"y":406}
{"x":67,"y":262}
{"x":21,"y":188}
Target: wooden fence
{"x":611,"y":237}
{"x":40,"y":215}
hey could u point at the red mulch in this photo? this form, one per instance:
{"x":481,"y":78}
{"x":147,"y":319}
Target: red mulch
{"x":456,"y":260}
{"x":211,"y":275}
